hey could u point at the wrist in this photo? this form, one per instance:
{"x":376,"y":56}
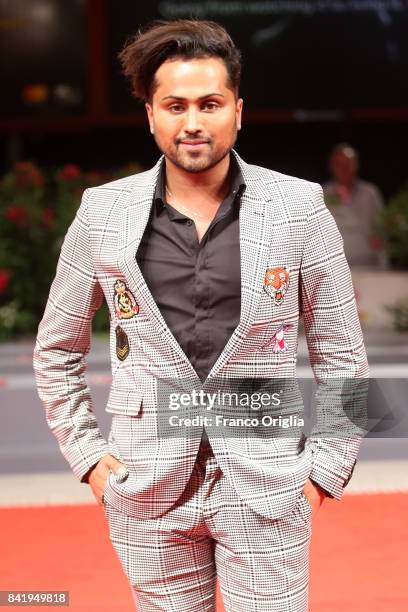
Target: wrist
{"x":85,"y":477}
{"x":320,"y":489}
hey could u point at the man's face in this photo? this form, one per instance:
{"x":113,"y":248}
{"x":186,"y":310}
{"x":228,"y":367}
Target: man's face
{"x":343,"y":166}
{"x":194,"y":114}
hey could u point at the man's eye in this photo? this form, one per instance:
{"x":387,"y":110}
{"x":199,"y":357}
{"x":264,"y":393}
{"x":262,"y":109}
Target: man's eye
{"x":176,"y":108}
{"x":210,"y":106}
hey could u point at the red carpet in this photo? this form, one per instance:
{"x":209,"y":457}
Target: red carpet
{"x":359,"y":556}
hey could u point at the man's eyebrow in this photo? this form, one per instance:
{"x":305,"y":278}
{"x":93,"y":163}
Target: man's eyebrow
{"x":200,"y":98}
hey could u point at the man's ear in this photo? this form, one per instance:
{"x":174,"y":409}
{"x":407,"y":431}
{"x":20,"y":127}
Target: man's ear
{"x":240,"y":103}
{"x":149,"y":112}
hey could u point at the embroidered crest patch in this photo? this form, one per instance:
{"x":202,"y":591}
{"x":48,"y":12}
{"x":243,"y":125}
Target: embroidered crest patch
{"x":124,"y":302}
{"x":122,"y":343}
{"x":277,"y":341}
{"x":276,"y":283}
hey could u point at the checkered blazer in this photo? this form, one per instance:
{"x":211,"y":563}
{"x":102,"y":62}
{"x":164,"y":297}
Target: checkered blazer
{"x":283,"y":223}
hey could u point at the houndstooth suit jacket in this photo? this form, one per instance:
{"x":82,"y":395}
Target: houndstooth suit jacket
{"x":283,"y":222}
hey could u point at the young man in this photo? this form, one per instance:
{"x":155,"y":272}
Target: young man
{"x":206,"y":263}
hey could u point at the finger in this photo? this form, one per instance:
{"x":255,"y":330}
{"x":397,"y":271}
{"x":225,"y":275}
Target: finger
{"x":98,"y":494}
{"x":120,"y":470}
{"x":114,"y":464}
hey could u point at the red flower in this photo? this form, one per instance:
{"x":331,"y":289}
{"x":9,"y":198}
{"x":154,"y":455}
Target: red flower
{"x":16,"y":214}
{"x":47,"y":217}
{"x":28,"y":174}
{"x":94,"y":177}
{"x":377,"y":244}
{"x":70,"y":172}
{"x":4,"y":279}
{"x":24,"y":167}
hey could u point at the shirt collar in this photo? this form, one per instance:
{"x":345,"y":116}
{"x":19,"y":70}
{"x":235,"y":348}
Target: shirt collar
{"x":237,"y":185}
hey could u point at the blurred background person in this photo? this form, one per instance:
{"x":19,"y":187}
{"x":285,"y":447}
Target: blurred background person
{"x":356,"y":206}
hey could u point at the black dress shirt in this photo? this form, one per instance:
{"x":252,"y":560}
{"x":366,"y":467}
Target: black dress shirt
{"x":196,"y":285}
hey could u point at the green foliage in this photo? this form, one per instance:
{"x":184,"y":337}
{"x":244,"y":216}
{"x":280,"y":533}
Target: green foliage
{"x":399,"y":312}
{"x":394,"y":223}
{"x":36,"y":208}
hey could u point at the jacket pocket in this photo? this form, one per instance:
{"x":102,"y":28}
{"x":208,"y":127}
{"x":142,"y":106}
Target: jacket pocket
{"x":123,"y":401}
{"x":305,"y":509}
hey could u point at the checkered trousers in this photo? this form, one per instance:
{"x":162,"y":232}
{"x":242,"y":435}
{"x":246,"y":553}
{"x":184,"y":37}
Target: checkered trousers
{"x":172,"y":561}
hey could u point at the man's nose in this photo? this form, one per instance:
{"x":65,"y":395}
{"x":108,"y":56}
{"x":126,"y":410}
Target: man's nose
{"x":192,"y":121}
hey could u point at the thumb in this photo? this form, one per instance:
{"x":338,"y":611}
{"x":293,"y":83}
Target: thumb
{"x":120,"y":471}
{"x":113,"y":464}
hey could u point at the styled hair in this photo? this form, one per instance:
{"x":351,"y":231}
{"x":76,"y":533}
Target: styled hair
{"x":186,"y":39}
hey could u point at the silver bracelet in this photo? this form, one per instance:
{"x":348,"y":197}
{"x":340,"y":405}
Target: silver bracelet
{"x":121,"y":475}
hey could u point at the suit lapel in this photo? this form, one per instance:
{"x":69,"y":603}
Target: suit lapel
{"x":134,"y":218}
{"x":254,"y":236}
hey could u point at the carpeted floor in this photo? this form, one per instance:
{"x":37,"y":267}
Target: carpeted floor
{"x":359,"y":556}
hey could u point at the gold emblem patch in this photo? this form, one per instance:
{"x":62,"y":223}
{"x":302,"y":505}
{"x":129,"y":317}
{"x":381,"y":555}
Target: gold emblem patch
{"x":122,"y":343}
{"x":125,"y":304}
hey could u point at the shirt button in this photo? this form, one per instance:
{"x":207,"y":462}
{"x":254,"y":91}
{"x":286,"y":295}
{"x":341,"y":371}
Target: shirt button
{"x":189,"y":222}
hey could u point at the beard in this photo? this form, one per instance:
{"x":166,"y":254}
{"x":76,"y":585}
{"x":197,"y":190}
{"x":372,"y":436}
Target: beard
{"x":197,"y":161}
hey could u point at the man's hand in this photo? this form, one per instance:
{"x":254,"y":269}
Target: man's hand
{"x":315,"y":495}
{"x":99,"y":474}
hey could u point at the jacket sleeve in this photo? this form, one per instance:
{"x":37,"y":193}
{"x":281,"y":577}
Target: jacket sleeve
{"x":63,"y":342}
{"x":336,"y":350}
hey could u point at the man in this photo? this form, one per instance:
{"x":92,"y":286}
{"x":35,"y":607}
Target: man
{"x":356,"y":206}
{"x":206,"y":263}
